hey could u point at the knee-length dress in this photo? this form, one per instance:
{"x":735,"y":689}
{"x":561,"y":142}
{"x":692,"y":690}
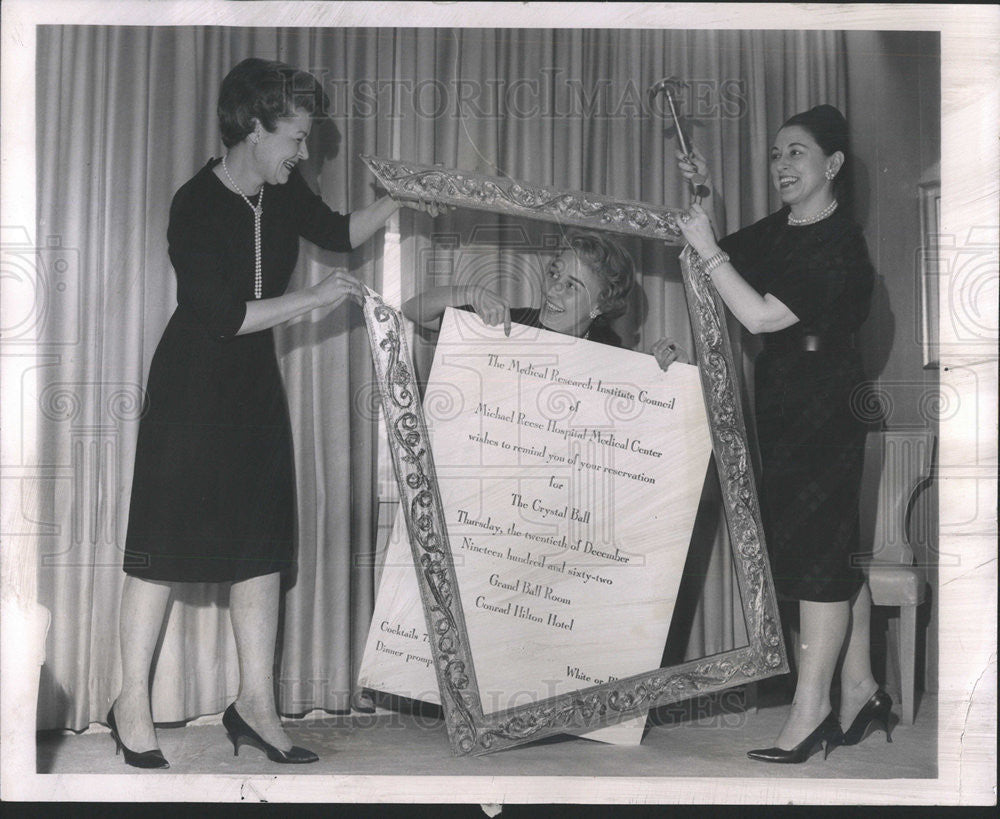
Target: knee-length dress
{"x":811,"y":440}
{"x":213,"y":491}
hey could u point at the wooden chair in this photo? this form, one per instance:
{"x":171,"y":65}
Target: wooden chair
{"x":904,"y":459}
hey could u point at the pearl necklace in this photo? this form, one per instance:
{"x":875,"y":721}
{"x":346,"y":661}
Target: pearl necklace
{"x":819,"y":217}
{"x":258,"y":279}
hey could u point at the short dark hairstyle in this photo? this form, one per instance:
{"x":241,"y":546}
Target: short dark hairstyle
{"x":828,"y":127}
{"x":611,"y":262}
{"x":265,"y":90}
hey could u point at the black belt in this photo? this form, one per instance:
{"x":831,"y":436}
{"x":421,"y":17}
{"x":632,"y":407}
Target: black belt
{"x":809,"y":342}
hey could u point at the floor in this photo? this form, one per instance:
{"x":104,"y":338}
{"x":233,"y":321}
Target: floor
{"x":706,"y":737}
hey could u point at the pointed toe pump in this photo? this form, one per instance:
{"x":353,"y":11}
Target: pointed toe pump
{"x":827,"y":734}
{"x":137,"y":759}
{"x":876,"y":712}
{"x":240,"y":732}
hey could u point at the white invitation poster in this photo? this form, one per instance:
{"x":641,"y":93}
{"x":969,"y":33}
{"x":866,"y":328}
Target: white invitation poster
{"x":570,"y":474}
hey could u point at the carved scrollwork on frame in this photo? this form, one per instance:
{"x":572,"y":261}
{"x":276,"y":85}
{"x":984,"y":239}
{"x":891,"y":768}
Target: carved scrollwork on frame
{"x":420,"y":500}
{"x":729,"y":442}
{"x":606,"y":704}
{"x":470,"y":730}
{"x":409,"y":181}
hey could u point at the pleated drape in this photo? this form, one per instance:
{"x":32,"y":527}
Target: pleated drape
{"x":126,"y":115}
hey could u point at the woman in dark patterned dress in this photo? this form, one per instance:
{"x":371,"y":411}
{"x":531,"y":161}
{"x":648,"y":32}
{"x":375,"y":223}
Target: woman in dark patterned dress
{"x":802,"y":278}
{"x":213,"y":488}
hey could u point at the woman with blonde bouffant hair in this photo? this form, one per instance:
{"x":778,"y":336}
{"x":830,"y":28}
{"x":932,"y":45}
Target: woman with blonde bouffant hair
{"x":585,"y":286}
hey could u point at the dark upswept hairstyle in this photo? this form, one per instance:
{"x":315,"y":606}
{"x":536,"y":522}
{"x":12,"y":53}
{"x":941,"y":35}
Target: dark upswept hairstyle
{"x":265,"y":90}
{"x":611,"y":262}
{"x":829,"y":128}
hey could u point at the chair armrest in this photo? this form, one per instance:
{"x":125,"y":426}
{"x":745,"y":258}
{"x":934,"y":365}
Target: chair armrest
{"x":895,"y":585}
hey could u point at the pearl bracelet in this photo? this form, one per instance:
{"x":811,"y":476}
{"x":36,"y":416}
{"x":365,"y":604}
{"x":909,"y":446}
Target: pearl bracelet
{"x":719,"y":258}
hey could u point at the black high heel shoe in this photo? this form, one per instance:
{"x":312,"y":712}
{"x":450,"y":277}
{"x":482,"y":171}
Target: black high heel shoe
{"x":827,"y":734}
{"x":239,"y":731}
{"x":137,"y":759}
{"x":874,"y":712}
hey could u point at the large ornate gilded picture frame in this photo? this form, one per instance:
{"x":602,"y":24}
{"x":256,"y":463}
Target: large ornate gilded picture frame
{"x":470,"y":730}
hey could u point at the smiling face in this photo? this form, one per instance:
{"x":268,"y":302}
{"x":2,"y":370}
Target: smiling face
{"x":278,"y":151}
{"x":570,"y":290}
{"x":798,"y":171}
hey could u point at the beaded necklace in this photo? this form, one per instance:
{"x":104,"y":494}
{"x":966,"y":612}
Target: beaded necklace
{"x":258,"y":279}
{"x":819,"y":217}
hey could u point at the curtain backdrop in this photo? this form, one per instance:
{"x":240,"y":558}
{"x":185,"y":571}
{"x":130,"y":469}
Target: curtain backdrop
{"x":126,"y":115}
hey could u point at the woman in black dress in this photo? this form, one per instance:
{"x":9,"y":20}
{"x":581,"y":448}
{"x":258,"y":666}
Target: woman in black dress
{"x":802,"y":278}
{"x":213,"y":488}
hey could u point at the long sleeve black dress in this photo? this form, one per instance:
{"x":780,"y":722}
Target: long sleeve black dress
{"x":811,"y":441}
{"x":213,"y":493}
